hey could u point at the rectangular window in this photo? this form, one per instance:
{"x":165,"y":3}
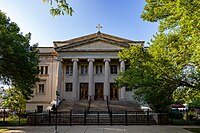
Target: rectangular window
{"x":98,"y":69}
{"x":39,"y":109}
{"x":46,"y":69}
{"x":42,"y":70}
{"x":69,"y":69}
{"x":84,"y":69}
{"x":41,"y":88}
{"x":68,"y":87}
{"x":38,"y":69}
{"x":113,"y":69}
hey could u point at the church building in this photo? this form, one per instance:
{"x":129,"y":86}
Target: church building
{"x":80,"y":69}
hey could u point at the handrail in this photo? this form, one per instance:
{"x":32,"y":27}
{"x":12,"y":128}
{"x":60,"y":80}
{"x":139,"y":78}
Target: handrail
{"x":89,"y":102}
{"x":107,"y":101}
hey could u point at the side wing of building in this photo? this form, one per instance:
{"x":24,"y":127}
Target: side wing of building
{"x":45,"y":89}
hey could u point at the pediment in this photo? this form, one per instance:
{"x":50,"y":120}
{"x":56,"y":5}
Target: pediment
{"x":94,"y":46}
{"x":94,"y":42}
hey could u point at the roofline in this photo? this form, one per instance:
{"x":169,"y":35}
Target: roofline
{"x":70,"y":40}
{"x":65,"y":41}
{"x":45,"y":47}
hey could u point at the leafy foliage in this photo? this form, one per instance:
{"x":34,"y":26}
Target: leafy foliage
{"x":186,"y":95}
{"x":172,"y":60}
{"x":18,"y":60}
{"x":195,"y":103}
{"x":145,"y":76}
{"x":14,"y":100}
{"x":59,"y":7}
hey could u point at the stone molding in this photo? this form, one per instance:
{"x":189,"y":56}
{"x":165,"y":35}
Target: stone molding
{"x":75,"y":60}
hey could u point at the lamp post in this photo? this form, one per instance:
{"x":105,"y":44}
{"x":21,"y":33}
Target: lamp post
{"x":56,"y":106}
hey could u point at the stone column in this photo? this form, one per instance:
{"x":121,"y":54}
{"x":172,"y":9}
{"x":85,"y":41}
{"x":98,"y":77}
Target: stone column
{"x":123,"y":89}
{"x":75,"y":79}
{"x":106,"y":79}
{"x":59,"y":78}
{"x":91,"y":78}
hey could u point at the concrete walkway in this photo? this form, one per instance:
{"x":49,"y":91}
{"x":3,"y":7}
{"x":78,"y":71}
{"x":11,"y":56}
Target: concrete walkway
{"x":101,"y":129}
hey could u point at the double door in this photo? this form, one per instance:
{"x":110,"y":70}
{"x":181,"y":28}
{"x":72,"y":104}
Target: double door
{"x":114,"y":91}
{"x":99,"y":91}
{"x":83,"y":91}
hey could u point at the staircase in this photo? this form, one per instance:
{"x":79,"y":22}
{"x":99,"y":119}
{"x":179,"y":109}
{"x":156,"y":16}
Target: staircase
{"x":98,"y":112}
{"x":98,"y":106}
{"x":124,"y":105}
{"x":73,"y":105}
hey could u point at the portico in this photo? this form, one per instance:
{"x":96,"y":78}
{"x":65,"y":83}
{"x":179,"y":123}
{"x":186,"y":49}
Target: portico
{"x":91,"y":78}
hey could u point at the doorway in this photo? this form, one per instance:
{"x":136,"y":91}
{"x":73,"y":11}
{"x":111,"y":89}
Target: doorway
{"x":114,"y":91}
{"x":83,"y":91}
{"x":99,"y":91}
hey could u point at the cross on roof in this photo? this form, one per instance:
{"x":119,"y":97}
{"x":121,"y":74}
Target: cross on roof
{"x":99,"y":27}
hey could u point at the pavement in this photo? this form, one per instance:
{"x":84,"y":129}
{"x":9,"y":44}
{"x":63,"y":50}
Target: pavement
{"x":101,"y":129}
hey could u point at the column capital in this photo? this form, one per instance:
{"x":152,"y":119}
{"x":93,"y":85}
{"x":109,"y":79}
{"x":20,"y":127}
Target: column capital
{"x":75,"y":59}
{"x":106,"y":59}
{"x":120,"y":60}
{"x":90,"y":59}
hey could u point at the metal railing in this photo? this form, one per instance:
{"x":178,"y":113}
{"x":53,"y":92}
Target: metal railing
{"x":92,"y":118}
{"x":83,"y":117}
{"x":107,"y":103}
{"x":89,"y":103}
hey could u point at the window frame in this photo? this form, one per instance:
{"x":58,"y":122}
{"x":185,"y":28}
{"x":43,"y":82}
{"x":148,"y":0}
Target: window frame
{"x":70,"y":87}
{"x":40,"y":88}
{"x":84,"y":69}
{"x":41,"y":70}
{"x":99,"y":69}
{"x":113,"y":69}
{"x":69,"y":69}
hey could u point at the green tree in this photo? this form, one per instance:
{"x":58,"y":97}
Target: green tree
{"x":171,"y":61}
{"x":146,"y":77}
{"x":179,"y":23}
{"x":18,"y":60}
{"x":195,"y":103}
{"x":186,"y":95}
{"x":14,"y":100}
{"x":59,"y":7}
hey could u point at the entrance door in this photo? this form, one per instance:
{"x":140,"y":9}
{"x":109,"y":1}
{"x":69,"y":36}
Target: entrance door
{"x":99,"y":91}
{"x":114,"y":91}
{"x":83,"y":91}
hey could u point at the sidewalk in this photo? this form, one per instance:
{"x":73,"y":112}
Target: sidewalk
{"x":101,"y":129}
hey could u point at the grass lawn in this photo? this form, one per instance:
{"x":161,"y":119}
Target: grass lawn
{"x":3,"y":130}
{"x":182,"y":122}
{"x":194,"y":130}
{"x":14,"y":120}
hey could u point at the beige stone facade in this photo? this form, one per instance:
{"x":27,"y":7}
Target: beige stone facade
{"x":79,"y":69}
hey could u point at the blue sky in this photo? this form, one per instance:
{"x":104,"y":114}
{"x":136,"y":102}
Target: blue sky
{"x":118,"y":17}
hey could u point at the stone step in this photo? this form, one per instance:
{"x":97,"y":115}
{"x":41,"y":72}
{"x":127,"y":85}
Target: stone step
{"x":124,"y":105}
{"x":73,"y":105}
{"x":98,"y":106}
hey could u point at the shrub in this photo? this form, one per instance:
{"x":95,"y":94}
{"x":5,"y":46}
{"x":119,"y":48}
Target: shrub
{"x":191,"y":115}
